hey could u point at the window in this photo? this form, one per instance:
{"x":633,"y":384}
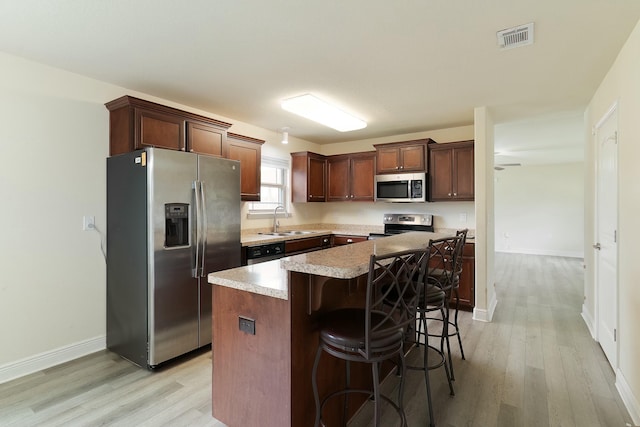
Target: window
{"x":273,"y":188}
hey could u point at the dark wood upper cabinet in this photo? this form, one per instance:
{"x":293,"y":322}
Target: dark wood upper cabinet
{"x":350,"y":177}
{"x":308,"y":177}
{"x":158,"y":129}
{"x":338,"y":188}
{"x":451,"y":171}
{"x":248,"y":151}
{"x":203,"y":138}
{"x":135,"y":123}
{"x":406,"y":156}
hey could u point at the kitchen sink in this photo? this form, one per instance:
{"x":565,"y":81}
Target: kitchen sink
{"x":286,"y":233}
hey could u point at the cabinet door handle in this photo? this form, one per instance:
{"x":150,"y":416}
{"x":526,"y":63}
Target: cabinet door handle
{"x":449,"y":194}
{"x":455,"y":194}
{"x":401,"y":167}
{"x":352,"y":196}
{"x":349,"y":240}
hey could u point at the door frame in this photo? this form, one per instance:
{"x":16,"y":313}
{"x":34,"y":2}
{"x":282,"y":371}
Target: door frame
{"x":596,"y":288}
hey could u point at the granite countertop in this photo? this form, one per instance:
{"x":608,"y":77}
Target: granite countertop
{"x":261,"y":239}
{"x":267,"y":278}
{"x":343,"y":262}
{"x":257,"y":236}
{"x":350,"y":261}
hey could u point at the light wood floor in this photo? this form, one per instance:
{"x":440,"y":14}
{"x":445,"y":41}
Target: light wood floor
{"x":534,"y":365}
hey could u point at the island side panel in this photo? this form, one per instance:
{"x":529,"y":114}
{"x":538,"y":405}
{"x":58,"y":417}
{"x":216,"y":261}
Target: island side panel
{"x":251,"y":378}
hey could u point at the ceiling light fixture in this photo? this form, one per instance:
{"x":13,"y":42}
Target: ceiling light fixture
{"x":315,"y":109}
{"x":285,"y":135}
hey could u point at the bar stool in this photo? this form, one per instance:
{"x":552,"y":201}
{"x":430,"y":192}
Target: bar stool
{"x":438,"y":281}
{"x":450,"y":283}
{"x":376,"y":332}
{"x":456,"y":285}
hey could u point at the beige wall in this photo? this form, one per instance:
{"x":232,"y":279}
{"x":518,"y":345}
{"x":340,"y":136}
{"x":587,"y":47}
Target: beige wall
{"x":54,"y":139}
{"x":539,"y":209}
{"x":622,"y":85}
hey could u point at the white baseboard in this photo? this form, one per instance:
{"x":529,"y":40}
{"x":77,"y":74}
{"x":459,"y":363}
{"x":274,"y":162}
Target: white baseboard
{"x":526,"y":251}
{"x":588,"y":320}
{"x":630,"y":401}
{"x":483,"y":315}
{"x":51,"y":358}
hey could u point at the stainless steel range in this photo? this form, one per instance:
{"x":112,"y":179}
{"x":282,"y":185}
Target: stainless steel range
{"x":403,"y":223}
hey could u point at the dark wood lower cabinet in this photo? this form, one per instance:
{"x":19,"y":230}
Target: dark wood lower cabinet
{"x":467,"y":286}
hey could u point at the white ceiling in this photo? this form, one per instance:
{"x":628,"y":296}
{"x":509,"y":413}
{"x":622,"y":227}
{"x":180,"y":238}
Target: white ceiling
{"x":404,"y":66}
{"x":555,"y":138}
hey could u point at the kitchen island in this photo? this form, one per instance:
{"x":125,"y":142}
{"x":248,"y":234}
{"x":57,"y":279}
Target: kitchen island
{"x":265,"y":332}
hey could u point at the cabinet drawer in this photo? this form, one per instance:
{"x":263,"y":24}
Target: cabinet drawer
{"x":339,"y":240}
{"x":306,"y":245}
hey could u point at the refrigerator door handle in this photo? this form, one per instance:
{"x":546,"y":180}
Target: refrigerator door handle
{"x":205,"y":231}
{"x":196,"y":191}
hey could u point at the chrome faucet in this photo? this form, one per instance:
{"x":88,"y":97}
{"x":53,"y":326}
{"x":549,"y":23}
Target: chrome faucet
{"x":276,"y":224}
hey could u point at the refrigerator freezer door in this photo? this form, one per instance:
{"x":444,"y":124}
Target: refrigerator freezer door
{"x":173,"y":291}
{"x":220,"y":180}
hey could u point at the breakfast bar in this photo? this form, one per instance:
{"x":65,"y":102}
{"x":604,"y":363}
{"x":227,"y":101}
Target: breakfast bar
{"x":265,"y":331}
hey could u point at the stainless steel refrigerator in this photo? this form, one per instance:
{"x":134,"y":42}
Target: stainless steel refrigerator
{"x":172,"y":218}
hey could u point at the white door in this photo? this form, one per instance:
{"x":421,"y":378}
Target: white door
{"x":605,"y":247}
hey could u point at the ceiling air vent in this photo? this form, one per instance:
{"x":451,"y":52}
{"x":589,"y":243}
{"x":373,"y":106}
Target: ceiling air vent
{"x":521,"y":35}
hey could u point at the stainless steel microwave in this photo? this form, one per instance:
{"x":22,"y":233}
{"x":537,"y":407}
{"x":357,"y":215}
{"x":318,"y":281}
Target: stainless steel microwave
{"x":401,"y":187}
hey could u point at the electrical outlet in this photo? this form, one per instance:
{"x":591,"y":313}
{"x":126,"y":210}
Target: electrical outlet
{"x":247,"y":325}
{"x":88,"y":222}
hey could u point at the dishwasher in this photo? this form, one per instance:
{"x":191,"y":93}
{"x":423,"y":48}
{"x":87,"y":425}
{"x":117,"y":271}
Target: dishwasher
{"x":262,"y":253}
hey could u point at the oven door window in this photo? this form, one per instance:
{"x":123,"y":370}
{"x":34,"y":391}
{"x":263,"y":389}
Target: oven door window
{"x":393,"y":190}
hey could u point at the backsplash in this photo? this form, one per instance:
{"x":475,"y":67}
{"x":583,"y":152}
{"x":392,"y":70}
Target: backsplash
{"x":452,"y":215}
